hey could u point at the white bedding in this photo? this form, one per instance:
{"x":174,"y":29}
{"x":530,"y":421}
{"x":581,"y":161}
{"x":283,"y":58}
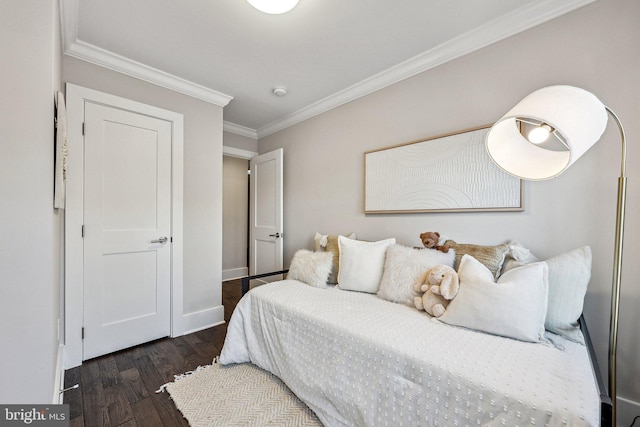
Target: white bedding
{"x":357,"y":360}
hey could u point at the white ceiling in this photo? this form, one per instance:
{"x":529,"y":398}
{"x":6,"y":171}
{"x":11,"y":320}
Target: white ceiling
{"x":325,"y":52}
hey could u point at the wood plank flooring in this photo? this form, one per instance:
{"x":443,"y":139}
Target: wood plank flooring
{"x":119,"y":389}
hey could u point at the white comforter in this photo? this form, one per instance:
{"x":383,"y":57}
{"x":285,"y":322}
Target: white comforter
{"x":357,"y":360}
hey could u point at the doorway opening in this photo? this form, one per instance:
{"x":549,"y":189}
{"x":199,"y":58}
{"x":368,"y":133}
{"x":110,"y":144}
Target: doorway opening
{"x":235,"y":218}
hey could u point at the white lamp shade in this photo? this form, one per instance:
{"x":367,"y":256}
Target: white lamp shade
{"x":273,"y":7}
{"x":575,"y":114}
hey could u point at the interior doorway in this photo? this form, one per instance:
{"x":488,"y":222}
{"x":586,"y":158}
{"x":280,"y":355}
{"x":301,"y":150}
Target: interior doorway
{"x":235,"y":218}
{"x":252,"y":191}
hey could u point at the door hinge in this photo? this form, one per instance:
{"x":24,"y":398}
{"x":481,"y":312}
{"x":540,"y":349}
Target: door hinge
{"x":83,"y":333}
{"x":83,"y":230}
{"x":171,"y":239}
{"x":83,"y":129}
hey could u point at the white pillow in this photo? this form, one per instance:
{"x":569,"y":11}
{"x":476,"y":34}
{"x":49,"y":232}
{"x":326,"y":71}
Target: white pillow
{"x":329,"y":243}
{"x":312,"y":268}
{"x":569,"y":276}
{"x":405,"y":266}
{"x":361,"y":264}
{"x":514,"y":307}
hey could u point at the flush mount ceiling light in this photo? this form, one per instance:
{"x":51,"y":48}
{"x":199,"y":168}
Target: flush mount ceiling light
{"x":279,"y":91}
{"x":273,"y":7}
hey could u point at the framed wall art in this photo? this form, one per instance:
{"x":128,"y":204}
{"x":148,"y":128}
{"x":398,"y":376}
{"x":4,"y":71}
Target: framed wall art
{"x":445,"y":173}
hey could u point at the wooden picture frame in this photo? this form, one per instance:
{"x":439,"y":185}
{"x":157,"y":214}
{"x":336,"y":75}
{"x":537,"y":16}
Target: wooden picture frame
{"x":445,"y":173}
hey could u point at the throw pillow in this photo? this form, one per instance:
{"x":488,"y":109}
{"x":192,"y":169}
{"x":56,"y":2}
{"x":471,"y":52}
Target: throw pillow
{"x":514,"y":307}
{"x":361,"y":264}
{"x":329,"y":243}
{"x":405,"y":266}
{"x":312,"y":268}
{"x":491,"y":257}
{"x":569,"y":275}
{"x":517,"y":256}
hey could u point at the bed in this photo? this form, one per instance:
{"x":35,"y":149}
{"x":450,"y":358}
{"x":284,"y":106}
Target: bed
{"x":358,"y":360}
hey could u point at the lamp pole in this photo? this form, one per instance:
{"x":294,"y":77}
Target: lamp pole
{"x":617,"y":269}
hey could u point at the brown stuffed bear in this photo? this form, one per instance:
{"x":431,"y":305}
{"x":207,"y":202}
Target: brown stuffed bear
{"x":430,"y":239}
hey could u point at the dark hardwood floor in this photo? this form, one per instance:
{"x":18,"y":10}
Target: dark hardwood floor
{"x":119,"y":389}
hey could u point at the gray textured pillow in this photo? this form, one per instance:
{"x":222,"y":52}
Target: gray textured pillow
{"x":569,"y":276}
{"x":405,"y":266}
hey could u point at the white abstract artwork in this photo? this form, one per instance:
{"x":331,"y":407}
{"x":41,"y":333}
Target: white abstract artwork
{"x":442,"y":174}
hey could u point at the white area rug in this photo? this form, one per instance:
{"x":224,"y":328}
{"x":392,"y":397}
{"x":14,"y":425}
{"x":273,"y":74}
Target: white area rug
{"x":237,"y":395}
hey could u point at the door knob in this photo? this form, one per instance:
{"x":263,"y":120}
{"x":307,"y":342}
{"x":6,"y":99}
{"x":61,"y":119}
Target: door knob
{"x":162,"y":240}
{"x":275,"y":235}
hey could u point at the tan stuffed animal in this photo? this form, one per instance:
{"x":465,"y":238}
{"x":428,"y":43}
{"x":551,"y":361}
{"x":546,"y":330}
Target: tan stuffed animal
{"x":441,"y":285}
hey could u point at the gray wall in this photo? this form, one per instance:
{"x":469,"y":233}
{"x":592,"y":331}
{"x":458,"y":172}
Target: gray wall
{"x":596,"y":48}
{"x":202,"y":248}
{"x":235,"y":203}
{"x":30,"y":228}
{"x":239,"y":141}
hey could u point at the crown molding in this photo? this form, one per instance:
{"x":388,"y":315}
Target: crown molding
{"x":79,"y":49}
{"x":104,"y":58}
{"x":68,"y":22}
{"x":501,"y":28}
{"x":240,"y":130}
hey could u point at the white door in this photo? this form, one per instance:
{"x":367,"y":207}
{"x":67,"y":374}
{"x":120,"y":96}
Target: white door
{"x":127,"y":229}
{"x":266,"y":222}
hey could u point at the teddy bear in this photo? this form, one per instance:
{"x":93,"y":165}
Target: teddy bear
{"x":440,"y":286}
{"x":431,"y":240}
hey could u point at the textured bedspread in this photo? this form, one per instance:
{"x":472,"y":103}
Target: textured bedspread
{"x":357,"y":360}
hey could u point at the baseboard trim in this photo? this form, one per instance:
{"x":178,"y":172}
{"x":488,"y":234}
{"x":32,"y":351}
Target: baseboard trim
{"x":235,"y":273}
{"x":58,"y":382}
{"x":203,"y":319}
{"x":626,"y":410}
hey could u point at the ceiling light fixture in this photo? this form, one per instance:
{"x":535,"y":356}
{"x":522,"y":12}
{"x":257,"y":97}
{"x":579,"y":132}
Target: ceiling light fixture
{"x":279,"y":91}
{"x":274,"y":7}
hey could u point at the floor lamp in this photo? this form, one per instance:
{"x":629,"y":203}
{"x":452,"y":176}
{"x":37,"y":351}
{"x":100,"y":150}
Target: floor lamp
{"x":540,"y":138}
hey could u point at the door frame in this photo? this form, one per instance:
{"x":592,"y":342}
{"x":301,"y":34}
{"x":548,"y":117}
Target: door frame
{"x":74,"y":214}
